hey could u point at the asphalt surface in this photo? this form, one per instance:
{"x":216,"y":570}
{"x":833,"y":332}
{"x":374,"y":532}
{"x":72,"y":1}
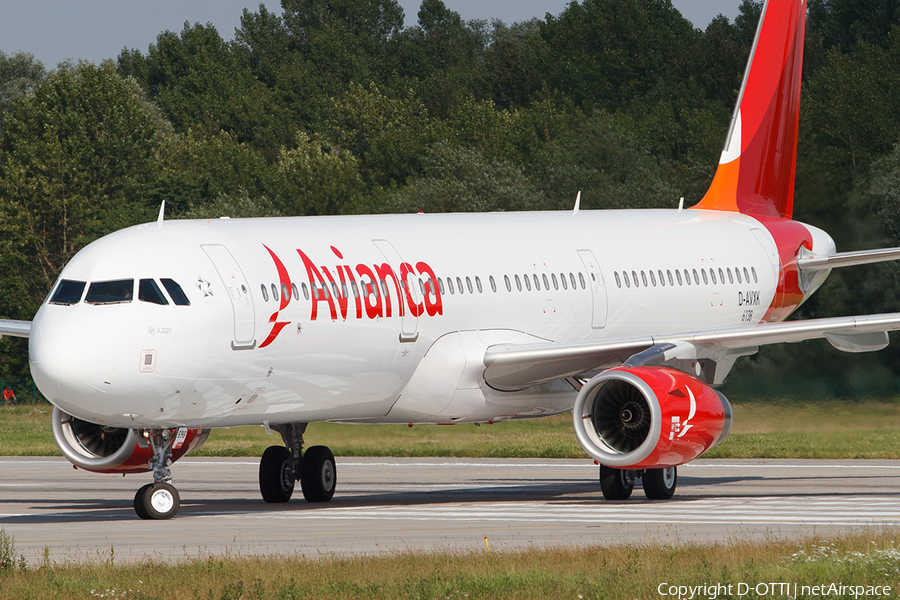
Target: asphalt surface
{"x":385,"y":505}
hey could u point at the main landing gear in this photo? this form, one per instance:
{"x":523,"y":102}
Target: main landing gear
{"x":158,"y":500}
{"x":281,"y":466}
{"x":617,"y":484}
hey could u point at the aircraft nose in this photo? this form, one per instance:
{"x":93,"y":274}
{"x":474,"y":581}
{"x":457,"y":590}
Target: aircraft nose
{"x":64,"y":365}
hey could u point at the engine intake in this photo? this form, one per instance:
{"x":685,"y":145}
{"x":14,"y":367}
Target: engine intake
{"x":649,"y":417}
{"x":103,"y":449}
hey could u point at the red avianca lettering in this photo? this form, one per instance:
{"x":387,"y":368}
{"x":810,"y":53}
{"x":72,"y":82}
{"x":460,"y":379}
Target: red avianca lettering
{"x":378,"y":291}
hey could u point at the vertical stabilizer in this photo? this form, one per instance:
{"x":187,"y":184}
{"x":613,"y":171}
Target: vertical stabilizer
{"x":756,"y":170}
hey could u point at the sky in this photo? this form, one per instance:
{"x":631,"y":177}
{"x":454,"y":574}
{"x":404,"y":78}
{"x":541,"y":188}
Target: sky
{"x":56,"y":30}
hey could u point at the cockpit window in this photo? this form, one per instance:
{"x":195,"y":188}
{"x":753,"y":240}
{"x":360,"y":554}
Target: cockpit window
{"x":68,"y":292}
{"x":110,"y":292}
{"x":148,"y":291}
{"x":178,"y":295}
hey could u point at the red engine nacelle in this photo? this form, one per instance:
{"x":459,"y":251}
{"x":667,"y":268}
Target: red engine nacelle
{"x":104,"y":449}
{"x":649,"y":417}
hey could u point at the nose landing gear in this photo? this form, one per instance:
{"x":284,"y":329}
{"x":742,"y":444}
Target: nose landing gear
{"x":160,"y":499}
{"x":281,"y":466}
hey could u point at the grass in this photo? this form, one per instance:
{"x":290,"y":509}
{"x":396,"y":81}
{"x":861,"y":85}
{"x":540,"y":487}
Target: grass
{"x":866,"y":558}
{"x":789,"y":429}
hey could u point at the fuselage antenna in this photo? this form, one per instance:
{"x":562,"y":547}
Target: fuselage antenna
{"x":681,"y":204}
{"x":162,"y":210}
{"x":577,"y":203}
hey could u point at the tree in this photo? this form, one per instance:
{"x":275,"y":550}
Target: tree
{"x":319,"y":178}
{"x":461,"y":179}
{"x":78,"y":157}
{"x":201,"y":81}
{"x":606,"y":53}
{"x":20,"y":73}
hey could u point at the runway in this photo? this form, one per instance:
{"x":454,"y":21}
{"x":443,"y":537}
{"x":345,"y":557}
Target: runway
{"x":385,"y":505}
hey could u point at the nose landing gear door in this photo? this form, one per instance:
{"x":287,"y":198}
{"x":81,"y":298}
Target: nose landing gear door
{"x":238,"y":291}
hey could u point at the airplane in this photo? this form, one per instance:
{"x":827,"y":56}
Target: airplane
{"x":630,"y":319}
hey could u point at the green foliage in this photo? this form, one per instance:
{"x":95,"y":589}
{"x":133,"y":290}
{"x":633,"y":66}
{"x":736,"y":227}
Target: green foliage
{"x":78,"y":155}
{"x":461,"y":179}
{"x":20,"y":73}
{"x":319,"y":179}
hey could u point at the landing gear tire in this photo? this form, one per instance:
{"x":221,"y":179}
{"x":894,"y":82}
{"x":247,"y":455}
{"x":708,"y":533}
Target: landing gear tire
{"x":616,"y":484}
{"x":659,"y":484}
{"x":318,"y":474}
{"x":157,"y":501}
{"x":139,"y":501}
{"x":276,"y":474}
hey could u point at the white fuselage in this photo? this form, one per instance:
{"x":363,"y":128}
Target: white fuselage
{"x":251,"y":349}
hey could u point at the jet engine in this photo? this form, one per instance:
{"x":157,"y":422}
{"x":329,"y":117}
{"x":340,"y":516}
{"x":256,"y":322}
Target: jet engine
{"x":103,"y":449}
{"x":649,"y":417}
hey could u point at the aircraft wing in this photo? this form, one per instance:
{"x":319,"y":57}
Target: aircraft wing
{"x":15,"y":328}
{"x":516,"y":366}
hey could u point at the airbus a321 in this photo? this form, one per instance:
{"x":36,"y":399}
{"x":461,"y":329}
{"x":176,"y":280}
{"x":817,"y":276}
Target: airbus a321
{"x":630,"y":318}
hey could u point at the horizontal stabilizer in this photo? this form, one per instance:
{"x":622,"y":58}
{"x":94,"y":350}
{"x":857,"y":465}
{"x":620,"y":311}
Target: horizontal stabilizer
{"x":15,"y":328}
{"x":847,"y":259}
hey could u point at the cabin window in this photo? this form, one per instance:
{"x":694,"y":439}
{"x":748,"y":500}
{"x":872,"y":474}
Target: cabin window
{"x":459,"y":285}
{"x":285,"y":294}
{"x":265,"y":294}
{"x":581,"y":280}
{"x":562,"y":280}
{"x":746,"y":275}
{"x":652,"y":278}
{"x":507,"y":282}
{"x":384,"y":289}
{"x":627,"y":281}
{"x":721,"y":275}
{"x":712,"y":275}
{"x":555,"y":281}
{"x":546,"y":281}
{"x":478,"y":284}
{"x":422,"y":288}
{"x":493,"y":283}
{"x":703,"y":274}
{"x":110,"y":292}
{"x":148,"y":291}
{"x":527,"y":282}
{"x":737,"y":274}
{"x":644,"y":278}
{"x":441,"y":285}
{"x":730,"y":277}
{"x":305,"y":291}
{"x":450,"y":285}
{"x":518,"y":283}
{"x":669,"y":274}
{"x":537,"y":282}
{"x":618,"y":279}
{"x":469,"y":284}
{"x":68,"y":292}
{"x":687,"y":277}
{"x":354,"y":288}
{"x":753,"y":270}
{"x":678,"y":277}
{"x":572,"y":279}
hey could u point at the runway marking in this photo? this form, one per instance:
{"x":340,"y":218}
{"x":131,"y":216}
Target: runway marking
{"x":803,"y":510}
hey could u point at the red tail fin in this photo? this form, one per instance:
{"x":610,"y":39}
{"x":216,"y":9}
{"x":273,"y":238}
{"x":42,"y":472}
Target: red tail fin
{"x":756,"y":170}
